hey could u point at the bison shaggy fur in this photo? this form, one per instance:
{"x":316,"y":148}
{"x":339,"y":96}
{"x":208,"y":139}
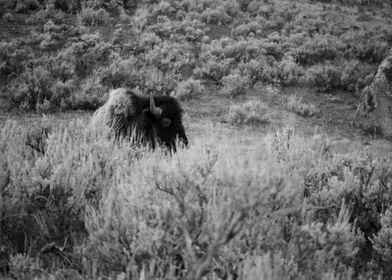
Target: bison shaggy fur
{"x":151,"y":120}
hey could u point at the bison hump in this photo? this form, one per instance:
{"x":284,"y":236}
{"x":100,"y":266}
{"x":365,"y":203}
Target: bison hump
{"x":120,"y":103}
{"x":119,"y":106}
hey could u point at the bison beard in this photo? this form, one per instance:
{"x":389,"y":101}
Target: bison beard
{"x":152,"y":121}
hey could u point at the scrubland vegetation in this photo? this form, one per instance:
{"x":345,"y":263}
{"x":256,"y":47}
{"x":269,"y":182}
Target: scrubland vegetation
{"x":81,"y":206}
{"x":68,"y":62}
{"x":76,"y":204}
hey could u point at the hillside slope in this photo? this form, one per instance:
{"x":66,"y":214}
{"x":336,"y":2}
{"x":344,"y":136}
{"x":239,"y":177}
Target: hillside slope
{"x":277,"y":182}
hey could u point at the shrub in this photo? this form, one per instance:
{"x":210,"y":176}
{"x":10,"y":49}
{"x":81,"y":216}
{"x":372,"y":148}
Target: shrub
{"x":259,"y":70}
{"x":46,"y":218}
{"x":49,"y":13}
{"x":124,"y":17}
{"x":40,"y":16}
{"x":296,"y":105}
{"x":363,"y":188}
{"x":142,"y":18}
{"x":67,"y":5}
{"x":89,"y":51}
{"x":60,"y":68}
{"x":243,"y":50}
{"x":109,"y":5}
{"x":163,"y":27}
{"x":62,"y":92}
{"x":26,"y":5}
{"x":214,"y":69}
{"x":90,"y":96}
{"x":289,"y":72}
{"x":324,"y":76}
{"x":91,"y":17}
{"x":245,"y":29}
{"x":372,"y":50}
{"x":252,"y":112}
{"x":381,"y":242}
{"x":215,"y":16}
{"x":232,"y":8}
{"x":37,"y":135}
{"x":8,"y":17}
{"x":48,"y":42}
{"x":319,"y":49}
{"x":171,"y":56}
{"x":370,"y":46}
{"x":235,"y":84}
{"x":351,"y":75}
{"x":188,"y":89}
{"x":33,"y":87}
{"x":342,"y":74}
{"x":147,"y":41}
{"x":244,"y":4}
{"x":121,"y":73}
{"x":164,"y":8}
{"x":192,"y":29}
{"x":158,"y":82}
{"x":13,"y":58}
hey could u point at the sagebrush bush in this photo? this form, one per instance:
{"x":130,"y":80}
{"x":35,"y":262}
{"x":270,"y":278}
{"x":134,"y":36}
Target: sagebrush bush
{"x":289,"y":72}
{"x":48,"y":13}
{"x":171,"y":56}
{"x":159,"y":82}
{"x":214,"y":69}
{"x":62,"y":92}
{"x":40,"y":16}
{"x":382,"y":240}
{"x":91,"y":17}
{"x":121,"y":73}
{"x":246,"y":29}
{"x":108,"y":5}
{"x":188,"y":89}
{"x":319,"y":49}
{"x":61,"y":67}
{"x":341,"y":74}
{"x":296,"y":105}
{"x":235,"y":84}
{"x":33,"y":87}
{"x":26,"y":5}
{"x":86,"y":53}
{"x":12,"y":58}
{"x":90,"y":95}
{"x":254,"y":58}
{"x":192,"y":29}
{"x":260,"y":70}
{"x":326,"y":76}
{"x":252,"y":112}
{"x":216,"y":16}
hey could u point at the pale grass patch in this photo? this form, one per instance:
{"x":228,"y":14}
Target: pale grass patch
{"x":296,"y":105}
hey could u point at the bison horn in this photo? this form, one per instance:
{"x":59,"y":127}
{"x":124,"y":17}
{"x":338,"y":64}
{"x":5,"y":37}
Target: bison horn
{"x":156,"y":111}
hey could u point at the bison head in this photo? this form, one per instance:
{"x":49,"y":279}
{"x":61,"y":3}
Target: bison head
{"x":151,"y":120}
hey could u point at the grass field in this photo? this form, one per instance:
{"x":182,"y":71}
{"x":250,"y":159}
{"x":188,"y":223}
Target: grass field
{"x":277,"y":181}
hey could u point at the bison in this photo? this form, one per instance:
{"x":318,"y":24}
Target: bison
{"x":151,"y":120}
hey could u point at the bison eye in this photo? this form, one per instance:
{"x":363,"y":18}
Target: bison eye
{"x":165,"y":122}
